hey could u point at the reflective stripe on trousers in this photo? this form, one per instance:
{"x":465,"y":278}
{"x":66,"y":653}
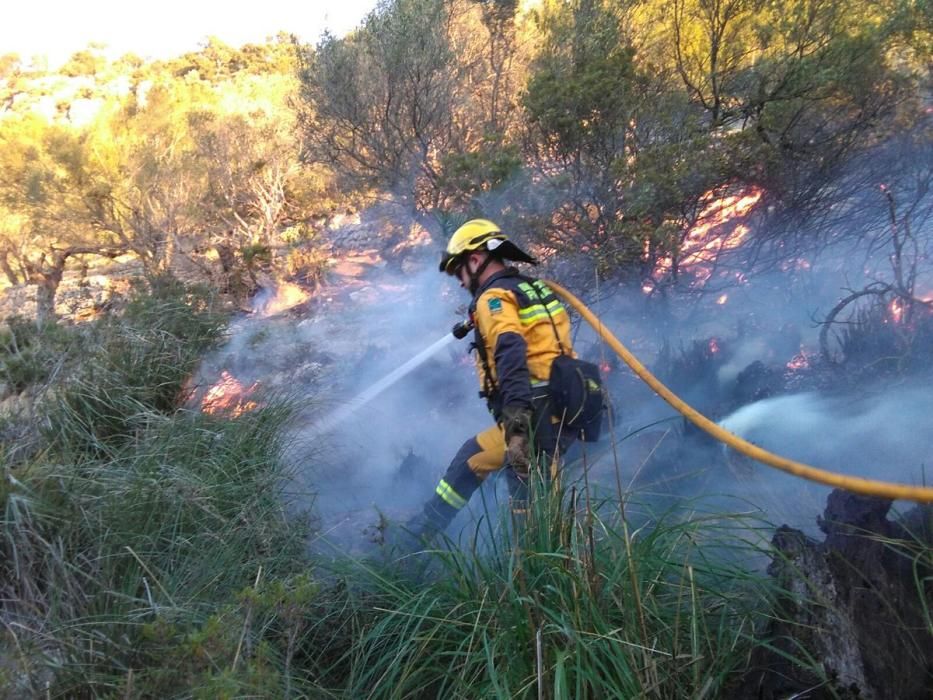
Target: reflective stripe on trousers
{"x":483,"y":454}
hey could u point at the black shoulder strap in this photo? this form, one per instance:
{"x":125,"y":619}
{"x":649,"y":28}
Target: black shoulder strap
{"x":489,"y":385}
{"x":479,"y":343}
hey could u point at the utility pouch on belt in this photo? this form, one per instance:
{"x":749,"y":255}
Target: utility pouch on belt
{"x":577,"y":395}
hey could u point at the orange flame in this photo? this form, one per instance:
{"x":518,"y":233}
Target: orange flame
{"x":710,"y":237}
{"x":287,"y":296}
{"x":229,"y":396}
{"x":896,"y":309}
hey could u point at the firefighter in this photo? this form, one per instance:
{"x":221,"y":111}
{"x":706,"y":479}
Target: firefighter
{"x":520,"y":327}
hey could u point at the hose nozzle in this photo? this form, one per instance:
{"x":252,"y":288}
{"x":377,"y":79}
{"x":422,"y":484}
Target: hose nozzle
{"x":461,"y":329}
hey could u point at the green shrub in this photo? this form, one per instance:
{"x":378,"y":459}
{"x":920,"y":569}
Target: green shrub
{"x":29,"y":353}
{"x":138,"y":367}
{"x":167,"y":530}
{"x":127,"y":541}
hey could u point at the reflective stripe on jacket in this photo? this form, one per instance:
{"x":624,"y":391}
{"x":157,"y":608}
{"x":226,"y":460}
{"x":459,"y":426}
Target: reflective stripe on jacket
{"x":513,"y":316}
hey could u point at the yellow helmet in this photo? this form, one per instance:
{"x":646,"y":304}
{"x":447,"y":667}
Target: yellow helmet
{"x":480,"y":234}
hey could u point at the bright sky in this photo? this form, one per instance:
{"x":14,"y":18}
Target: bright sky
{"x":162,"y":28}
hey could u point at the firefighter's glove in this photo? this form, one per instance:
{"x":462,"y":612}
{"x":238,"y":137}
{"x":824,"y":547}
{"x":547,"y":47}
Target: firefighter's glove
{"x":516,"y":421}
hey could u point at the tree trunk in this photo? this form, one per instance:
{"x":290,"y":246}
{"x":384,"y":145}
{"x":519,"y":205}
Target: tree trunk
{"x":169,"y":250}
{"x":227,"y":259}
{"x":8,"y":269}
{"x":46,"y":289}
{"x":47,"y":276}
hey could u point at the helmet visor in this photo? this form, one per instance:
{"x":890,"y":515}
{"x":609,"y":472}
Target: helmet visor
{"x":450,"y":264}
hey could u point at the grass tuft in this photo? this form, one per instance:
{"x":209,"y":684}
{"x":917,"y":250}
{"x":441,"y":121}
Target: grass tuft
{"x":576,"y":605}
{"x":130,"y":544}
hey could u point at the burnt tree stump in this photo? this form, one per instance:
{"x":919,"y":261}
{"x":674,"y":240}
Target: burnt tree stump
{"x":851,"y":608}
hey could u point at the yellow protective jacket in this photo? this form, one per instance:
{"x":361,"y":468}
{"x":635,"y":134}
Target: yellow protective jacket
{"x":518,"y":322}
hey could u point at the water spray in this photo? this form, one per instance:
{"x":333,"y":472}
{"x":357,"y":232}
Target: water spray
{"x":866,"y":487}
{"x":360,"y":400}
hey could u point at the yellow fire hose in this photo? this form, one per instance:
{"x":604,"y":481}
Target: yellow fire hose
{"x":867,"y":487}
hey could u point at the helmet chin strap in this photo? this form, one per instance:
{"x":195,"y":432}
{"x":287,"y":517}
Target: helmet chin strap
{"x":474,"y":276}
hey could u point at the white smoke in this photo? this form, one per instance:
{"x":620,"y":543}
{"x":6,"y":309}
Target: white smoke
{"x":386,"y":455}
{"x":393,"y":405}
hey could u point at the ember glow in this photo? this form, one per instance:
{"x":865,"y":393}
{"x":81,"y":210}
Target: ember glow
{"x":799,"y":361}
{"x":795,"y":264}
{"x":417,"y":236}
{"x":723,"y":298}
{"x":356,"y":264}
{"x":229,"y":396}
{"x":714,"y":233}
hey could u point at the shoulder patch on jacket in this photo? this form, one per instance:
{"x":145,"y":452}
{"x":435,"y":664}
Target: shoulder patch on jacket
{"x":495,"y":305}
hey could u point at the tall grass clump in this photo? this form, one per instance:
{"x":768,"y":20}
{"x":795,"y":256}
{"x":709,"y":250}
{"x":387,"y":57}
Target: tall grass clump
{"x":136,"y":365}
{"x":146,"y":549}
{"x":29,"y":353}
{"x":577,"y":605}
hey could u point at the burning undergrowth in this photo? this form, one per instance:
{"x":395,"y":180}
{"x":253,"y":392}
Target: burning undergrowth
{"x":363,"y":442}
{"x":776,"y":390}
{"x":378,"y":422}
{"x":720,"y":227}
{"x":763,"y":376}
{"x":229,"y":396}
{"x":371,"y":445}
{"x":888,"y":336}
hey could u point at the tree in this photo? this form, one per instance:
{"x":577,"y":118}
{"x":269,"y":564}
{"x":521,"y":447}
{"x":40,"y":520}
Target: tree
{"x":197,"y":160}
{"x":85,"y":62}
{"x":713,"y":43}
{"x":179,"y":164}
{"x":792,"y":91}
{"x":580,"y":107}
{"x":639,"y":116}
{"x":44,"y":177}
{"x":625,"y":159}
{"x":497,"y":87}
{"x":391,"y":102}
{"x":251,"y":165}
{"x":144,"y":178}
{"x":10,"y":74}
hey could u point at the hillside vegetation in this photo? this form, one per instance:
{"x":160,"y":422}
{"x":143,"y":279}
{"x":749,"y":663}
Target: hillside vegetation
{"x":147,"y":553}
{"x":147,"y":549}
{"x":602,"y":127}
